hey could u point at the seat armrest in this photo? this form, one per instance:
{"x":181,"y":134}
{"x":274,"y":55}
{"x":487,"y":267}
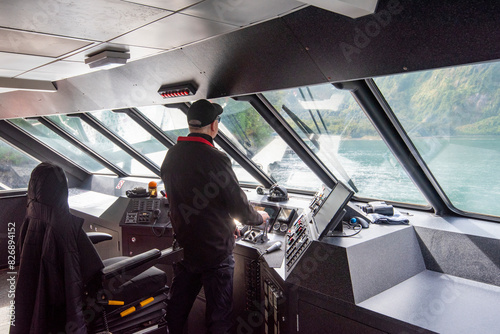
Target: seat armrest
{"x":97,"y":237}
{"x":170,"y":255}
{"x":131,"y":266}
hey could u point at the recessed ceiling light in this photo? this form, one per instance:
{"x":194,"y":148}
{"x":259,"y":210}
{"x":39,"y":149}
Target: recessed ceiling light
{"x":107,"y":59}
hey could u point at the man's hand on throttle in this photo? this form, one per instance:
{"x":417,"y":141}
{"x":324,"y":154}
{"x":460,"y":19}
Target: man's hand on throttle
{"x":265,"y":215}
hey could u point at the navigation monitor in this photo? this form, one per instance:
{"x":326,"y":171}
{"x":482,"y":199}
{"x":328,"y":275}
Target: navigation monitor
{"x":331,"y":211}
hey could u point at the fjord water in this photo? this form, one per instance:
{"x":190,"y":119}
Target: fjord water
{"x":466,"y":169}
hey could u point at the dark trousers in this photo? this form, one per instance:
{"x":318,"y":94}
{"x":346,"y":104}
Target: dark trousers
{"x":218,"y":285}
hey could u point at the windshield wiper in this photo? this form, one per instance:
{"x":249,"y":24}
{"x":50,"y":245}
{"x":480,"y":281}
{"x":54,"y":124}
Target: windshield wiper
{"x":317,"y":111}
{"x":313,"y":137}
{"x":303,"y":126}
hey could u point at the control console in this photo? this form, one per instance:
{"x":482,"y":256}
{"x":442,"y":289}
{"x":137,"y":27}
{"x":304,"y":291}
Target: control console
{"x":146,"y":211}
{"x":280,"y":219}
{"x":297,"y":241}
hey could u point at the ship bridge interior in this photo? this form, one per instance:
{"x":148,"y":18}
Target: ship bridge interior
{"x":335,"y":112}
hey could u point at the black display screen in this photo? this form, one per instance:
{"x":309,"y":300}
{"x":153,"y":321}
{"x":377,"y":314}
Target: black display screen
{"x":330,"y":213}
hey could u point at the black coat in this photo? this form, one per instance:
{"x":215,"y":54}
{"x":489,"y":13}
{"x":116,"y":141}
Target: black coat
{"x":56,"y":259}
{"x":205,"y":198}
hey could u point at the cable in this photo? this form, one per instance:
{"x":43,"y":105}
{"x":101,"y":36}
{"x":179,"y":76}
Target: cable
{"x":160,"y":234}
{"x":349,"y":226}
{"x":105,"y":319}
{"x":157,"y":214}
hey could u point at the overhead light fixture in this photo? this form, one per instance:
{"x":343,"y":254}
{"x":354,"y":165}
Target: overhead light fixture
{"x":178,"y":90}
{"x":351,"y":8}
{"x":107,"y":59}
{"x":13,"y":84}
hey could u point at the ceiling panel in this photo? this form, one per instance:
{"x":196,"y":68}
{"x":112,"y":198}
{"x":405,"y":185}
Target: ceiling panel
{"x":174,"y":31}
{"x":261,"y":57}
{"x":10,"y":73}
{"x":242,"y":13}
{"x":418,"y":37}
{"x":58,"y":70}
{"x":30,"y":43}
{"x":174,"y":5}
{"x":98,"y":20}
{"x":136,"y":52}
{"x":12,"y":61}
{"x":6,"y":90}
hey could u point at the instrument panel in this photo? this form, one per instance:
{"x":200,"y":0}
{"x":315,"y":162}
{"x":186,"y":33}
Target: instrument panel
{"x":146,"y":211}
{"x":280,"y":219}
{"x":297,"y":228}
{"x":297,"y":240}
{"x":283,"y":221}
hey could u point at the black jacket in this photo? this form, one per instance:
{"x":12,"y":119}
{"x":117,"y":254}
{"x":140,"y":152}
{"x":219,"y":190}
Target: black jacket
{"x":205,"y":198}
{"x":56,"y":259}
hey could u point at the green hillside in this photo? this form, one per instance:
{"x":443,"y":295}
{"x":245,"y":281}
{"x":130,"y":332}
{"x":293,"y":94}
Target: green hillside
{"x":488,"y":126}
{"x":454,"y":101}
{"x":458,"y":101}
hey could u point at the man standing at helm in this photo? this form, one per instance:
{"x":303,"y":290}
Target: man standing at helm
{"x":205,"y":198}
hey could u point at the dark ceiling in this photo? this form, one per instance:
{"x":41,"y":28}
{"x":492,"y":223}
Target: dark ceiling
{"x":224,"y":47}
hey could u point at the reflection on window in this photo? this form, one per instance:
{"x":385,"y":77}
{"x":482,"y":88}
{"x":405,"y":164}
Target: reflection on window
{"x":99,"y":143}
{"x":59,"y":144}
{"x":241,"y":123}
{"x":240,"y":172}
{"x":336,"y":129}
{"x":132,"y":133}
{"x":452,"y":116}
{"x":15,"y":167}
{"x":171,"y":121}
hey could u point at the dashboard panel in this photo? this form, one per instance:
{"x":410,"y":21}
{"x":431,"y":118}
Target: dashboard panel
{"x":280,"y":220}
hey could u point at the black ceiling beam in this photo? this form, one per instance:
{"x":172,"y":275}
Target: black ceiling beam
{"x":184,"y":107}
{"x":385,"y":122}
{"x":35,"y":148}
{"x":147,"y":125}
{"x":226,"y":144}
{"x":70,"y":138}
{"x":96,"y":124}
{"x":293,"y":140}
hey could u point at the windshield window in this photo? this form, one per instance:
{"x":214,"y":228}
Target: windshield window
{"x":452,"y":116}
{"x":249,"y":132}
{"x":15,"y":167}
{"x":336,"y":129}
{"x":59,"y":144}
{"x":132,"y":133}
{"x":99,"y":143}
{"x":173,"y":122}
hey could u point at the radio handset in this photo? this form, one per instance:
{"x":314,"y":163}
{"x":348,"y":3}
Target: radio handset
{"x":137,"y":192}
{"x":274,"y":247}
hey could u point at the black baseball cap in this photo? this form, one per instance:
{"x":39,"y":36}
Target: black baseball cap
{"x":203,"y":112}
